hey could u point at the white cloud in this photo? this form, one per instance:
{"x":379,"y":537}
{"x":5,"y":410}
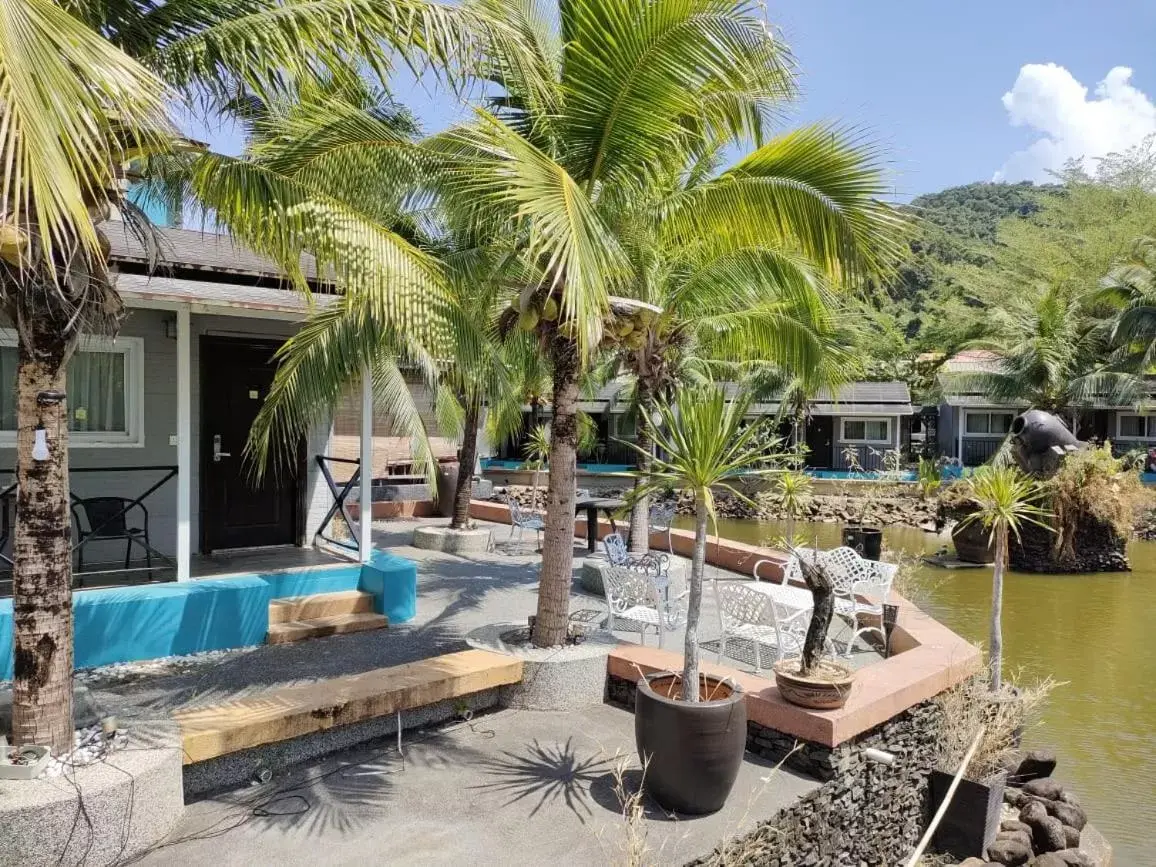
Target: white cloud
{"x":1048,"y":98}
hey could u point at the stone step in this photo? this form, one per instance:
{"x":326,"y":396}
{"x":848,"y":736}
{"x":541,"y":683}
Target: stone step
{"x":281,"y":714}
{"x":319,"y":627}
{"x":320,"y":605}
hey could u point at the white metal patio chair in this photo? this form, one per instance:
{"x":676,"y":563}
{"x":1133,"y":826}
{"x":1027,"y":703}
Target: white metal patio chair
{"x":656,"y":564}
{"x":746,"y":612}
{"x":861,"y":590}
{"x":636,"y":599}
{"x":522,"y":520}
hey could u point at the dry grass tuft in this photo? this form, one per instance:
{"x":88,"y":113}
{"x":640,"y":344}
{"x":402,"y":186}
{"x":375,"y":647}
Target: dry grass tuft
{"x":972,"y":704}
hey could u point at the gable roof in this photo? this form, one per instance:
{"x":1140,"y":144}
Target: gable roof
{"x":196,"y":250}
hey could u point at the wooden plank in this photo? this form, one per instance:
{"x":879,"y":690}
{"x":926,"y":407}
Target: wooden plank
{"x":281,"y":714}
{"x":320,"y":605}
{"x":338,"y":624}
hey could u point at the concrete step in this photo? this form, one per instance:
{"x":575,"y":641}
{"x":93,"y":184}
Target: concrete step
{"x":320,"y":605}
{"x":319,"y":627}
{"x":281,"y":714}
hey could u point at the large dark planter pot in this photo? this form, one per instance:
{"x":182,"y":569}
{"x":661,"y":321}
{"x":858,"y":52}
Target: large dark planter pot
{"x":691,"y":751}
{"x":972,"y":818}
{"x":817,"y":693}
{"x":447,"y":476}
{"x":972,"y":543}
{"x":867,"y":541}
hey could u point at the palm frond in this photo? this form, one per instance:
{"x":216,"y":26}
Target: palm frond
{"x":75,"y":108}
{"x":815,"y":189}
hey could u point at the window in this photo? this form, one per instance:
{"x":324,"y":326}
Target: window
{"x":866,"y":430}
{"x":105,"y":391}
{"x":1136,"y":427}
{"x":983,"y":424}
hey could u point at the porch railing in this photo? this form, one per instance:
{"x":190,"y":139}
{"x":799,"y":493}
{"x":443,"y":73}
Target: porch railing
{"x":102,"y":530}
{"x":340,"y":495}
{"x":979,"y":451}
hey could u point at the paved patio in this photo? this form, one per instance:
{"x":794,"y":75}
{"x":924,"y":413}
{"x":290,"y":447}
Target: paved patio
{"x":455,"y":596}
{"x":506,"y":788}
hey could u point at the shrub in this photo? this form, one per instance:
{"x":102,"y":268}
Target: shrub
{"x":1091,"y":484}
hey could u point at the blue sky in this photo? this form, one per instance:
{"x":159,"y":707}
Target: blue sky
{"x":927,"y":80}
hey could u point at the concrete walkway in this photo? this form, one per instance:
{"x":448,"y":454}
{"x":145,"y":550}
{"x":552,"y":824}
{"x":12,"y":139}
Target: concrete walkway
{"x":455,"y":596}
{"x":506,"y":788}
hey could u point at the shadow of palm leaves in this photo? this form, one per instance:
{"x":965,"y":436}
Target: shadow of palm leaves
{"x":549,"y":773}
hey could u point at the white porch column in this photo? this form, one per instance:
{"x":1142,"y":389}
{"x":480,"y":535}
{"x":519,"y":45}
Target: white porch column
{"x":365,"y":531}
{"x":960,"y":423}
{"x":184,"y":444}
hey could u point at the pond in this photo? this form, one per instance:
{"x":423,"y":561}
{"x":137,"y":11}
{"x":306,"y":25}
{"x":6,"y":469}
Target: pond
{"x":1096,"y":634}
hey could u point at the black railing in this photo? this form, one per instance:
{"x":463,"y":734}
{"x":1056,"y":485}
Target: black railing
{"x":868,"y":458}
{"x":979,"y":451}
{"x":611,"y":452}
{"x":110,"y":526}
{"x":340,"y":494}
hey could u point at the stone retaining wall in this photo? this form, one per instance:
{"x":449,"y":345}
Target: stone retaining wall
{"x":864,"y":813}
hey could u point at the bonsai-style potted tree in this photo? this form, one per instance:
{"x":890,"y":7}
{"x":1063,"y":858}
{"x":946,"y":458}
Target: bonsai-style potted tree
{"x":811,"y":680}
{"x":691,"y":729}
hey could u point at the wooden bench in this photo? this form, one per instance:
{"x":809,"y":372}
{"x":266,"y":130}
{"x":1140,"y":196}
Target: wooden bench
{"x":282,"y":714}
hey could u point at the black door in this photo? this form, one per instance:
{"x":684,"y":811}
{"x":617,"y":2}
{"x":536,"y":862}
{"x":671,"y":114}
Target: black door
{"x":236,"y":511}
{"x":820,"y":434}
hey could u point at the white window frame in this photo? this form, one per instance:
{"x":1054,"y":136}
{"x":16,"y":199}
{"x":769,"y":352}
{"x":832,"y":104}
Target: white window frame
{"x":886,"y":419}
{"x":132,"y":348}
{"x":989,"y":412}
{"x":1147,"y":426}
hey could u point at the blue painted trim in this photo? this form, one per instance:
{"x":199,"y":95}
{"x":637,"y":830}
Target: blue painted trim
{"x":123,"y":624}
{"x":393,"y":582}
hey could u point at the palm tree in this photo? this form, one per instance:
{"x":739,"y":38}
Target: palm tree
{"x":1130,"y":287}
{"x":1054,"y":356}
{"x":637,"y":94}
{"x":85,"y":86}
{"x":1005,"y":501}
{"x":724,"y":312}
{"x":537,"y":453}
{"x":704,"y":445}
{"x":793,"y":491}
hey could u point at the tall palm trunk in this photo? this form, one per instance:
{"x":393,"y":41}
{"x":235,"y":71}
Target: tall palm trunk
{"x":640,"y":511}
{"x":995,"y":649}
{"x":42,"y":571}
{"x":466,"y":460}
{"x":690,"y":689}
{"x":551,"y":624}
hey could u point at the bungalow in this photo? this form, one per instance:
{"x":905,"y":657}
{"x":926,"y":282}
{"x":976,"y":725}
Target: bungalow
{"x":159,"y":416}
{"x":867,"y":419}
{"x":973,"y":426}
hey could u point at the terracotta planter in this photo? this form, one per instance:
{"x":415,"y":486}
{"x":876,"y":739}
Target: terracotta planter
{"x":691,"y":751}
{"x":972,"y":543}
{"x":972,"y":818}
{"x":827,"y":690}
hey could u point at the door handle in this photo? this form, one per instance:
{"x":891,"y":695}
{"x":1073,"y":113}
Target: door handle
{"x":217,"y":453}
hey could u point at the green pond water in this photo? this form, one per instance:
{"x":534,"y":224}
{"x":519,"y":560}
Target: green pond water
{"x":1094,"y":633}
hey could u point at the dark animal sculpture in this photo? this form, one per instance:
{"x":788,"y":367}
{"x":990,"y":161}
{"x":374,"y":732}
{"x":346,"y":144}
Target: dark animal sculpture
{"x":1040,"y":441}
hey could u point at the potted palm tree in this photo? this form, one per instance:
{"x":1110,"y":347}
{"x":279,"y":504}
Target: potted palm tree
{"x":691,"y":729}
{"x":1004,"y":500}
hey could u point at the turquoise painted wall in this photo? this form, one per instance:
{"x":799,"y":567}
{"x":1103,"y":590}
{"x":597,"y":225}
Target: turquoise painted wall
{"x":122,"y":624}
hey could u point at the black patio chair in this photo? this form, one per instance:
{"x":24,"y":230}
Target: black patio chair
{"x":106,"y":518}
